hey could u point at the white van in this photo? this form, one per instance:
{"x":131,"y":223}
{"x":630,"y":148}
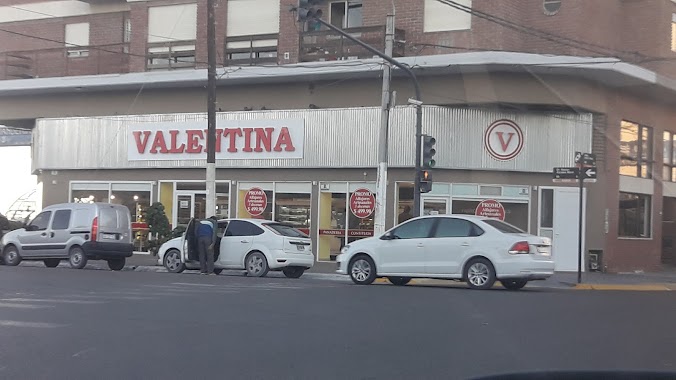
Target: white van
{"x":76,"y":232}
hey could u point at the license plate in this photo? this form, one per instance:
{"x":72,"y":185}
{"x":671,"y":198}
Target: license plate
{"x":109,"y":236}
{"x":545,"y":251}
{"x":300,"y":247}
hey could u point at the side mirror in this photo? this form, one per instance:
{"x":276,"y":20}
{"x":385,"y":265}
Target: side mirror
{"x":388,"y":236}
{"x":30,"y":227}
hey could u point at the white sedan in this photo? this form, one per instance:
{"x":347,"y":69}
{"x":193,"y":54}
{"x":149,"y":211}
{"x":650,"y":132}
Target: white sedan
{"x":461,"y":247}
{"x":257,"y":246}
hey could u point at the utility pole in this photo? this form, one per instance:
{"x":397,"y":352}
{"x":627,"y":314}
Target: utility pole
{"x":381,"y":184}
{"x":211,"y":110}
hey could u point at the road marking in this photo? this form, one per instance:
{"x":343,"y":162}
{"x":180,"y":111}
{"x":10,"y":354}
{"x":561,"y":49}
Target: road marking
{"x":55,"y":300}
{"x":44,"y":325}
{"x":23,"y":306}
{"x":637,"y":287}
{"x":83,"y":351}
{"x":189,"y":284}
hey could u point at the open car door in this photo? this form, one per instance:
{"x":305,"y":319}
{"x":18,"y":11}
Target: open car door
{"x":189,"y":243}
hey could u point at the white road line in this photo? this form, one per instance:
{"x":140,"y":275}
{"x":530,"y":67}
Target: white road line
{"x":44,"y":325}
{"x":189,"y":284}
{"x":54,"y":300}
{"x":23,"y":306}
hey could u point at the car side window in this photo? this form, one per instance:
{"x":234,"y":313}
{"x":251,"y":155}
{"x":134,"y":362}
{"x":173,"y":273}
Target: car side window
{"x":61,"y":220}
{"x":242,"y":228}
{"x":415,"y":229}
{"x":41,"y":222}
{"x":220,"y":231}
{"x":452,"y":227}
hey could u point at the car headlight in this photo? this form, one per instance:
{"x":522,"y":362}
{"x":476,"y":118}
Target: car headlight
{"x":345,"y":249}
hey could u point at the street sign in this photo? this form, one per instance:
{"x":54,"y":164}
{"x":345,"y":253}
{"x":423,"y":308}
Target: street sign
{"x":587,"y":160}
{"x":588,"y":174}
{"x":566,"y":175}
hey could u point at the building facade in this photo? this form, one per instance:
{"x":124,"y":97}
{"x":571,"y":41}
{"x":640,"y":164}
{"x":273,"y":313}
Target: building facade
{"x":119,"y":115}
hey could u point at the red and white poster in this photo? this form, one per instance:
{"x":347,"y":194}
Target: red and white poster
{"x":490,"y":208}
{"x":362,"y":203}
{"x":255,"y":201}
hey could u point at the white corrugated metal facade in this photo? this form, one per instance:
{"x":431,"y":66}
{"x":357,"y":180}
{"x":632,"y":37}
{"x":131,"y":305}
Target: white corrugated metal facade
{"x":334,"y":138}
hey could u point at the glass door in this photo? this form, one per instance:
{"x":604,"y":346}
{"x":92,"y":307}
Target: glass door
{"x":185,"y":209}
{"x":434,"y":206}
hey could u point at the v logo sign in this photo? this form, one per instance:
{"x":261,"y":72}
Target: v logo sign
{"x":501,"y":136}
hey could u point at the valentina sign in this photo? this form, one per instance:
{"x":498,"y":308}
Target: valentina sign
{"x":245,"y":139}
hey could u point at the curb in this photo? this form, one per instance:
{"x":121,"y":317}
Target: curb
{"x":621,"y":287}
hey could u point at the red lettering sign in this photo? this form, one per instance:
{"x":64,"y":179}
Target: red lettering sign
{"x":362,"y":203}
{"x":504,"y":140}
{"x":490,"y":209}
{"x":350,"y":233}
{"x":255,"y":201}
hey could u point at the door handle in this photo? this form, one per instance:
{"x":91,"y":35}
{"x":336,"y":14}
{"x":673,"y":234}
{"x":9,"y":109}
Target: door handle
{"x":43,"y":234}
{"x":465,"y":244}
{"x":51,"y":234}
{"x":420,"y":245}
{"x":244,"y":241}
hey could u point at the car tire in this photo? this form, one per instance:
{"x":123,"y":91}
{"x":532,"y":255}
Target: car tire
{"x":218,"y":270}
{"x":77,"y":258}
{"x":11,"y":256}
{"x":116,"y":264}
{"x":51,"y":263}
{"x":293,"y":272}
{"x":172,"y":261}
{"x":399,"y":281}
{"x":256,"y":265}
{"x":513,"y":284}
{"x":362,"y":270}
{"x":480,"y":274}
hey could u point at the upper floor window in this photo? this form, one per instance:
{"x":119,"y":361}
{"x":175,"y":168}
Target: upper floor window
{"x":636,"y":150}
{"x":440,"y":17}
{"x":346,"y":14}
{"x":669,"y":157}
{"x":673,"y":32}
{"x":172,"y":30}
{"x":77,"y":39}
{"x":252,"y":17}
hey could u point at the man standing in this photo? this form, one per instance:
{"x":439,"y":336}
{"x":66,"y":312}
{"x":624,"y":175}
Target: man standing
{"x":205,"y":245}
{"x":405,"y":215}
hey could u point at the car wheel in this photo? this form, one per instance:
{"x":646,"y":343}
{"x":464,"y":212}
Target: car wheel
{"x":362,"y":270}
{"x":399,"y":281}
{"x":116,"y":264}
{"x":514,"y":284}
{"x":11,"y":256}
{"x":51,"y":263}
{"x":293,"y":272}
{"x":218,"y":270}
{"x":480,"y":274}
{"x":172,"y":261}
{"x":256,"y":265}
{"x":77,"y":258}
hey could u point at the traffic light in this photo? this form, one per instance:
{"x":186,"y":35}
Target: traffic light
{"x":428,"y":152}
{"x":308,"y":9}
{"x":425,"y":181}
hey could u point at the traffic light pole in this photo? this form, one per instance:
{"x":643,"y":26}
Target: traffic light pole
{"x":417,"y":101}
{"x":211,"y":111}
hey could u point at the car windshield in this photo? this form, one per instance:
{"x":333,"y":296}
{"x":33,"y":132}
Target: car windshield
{"x":284,"y":230}
{"x":503,"y":227}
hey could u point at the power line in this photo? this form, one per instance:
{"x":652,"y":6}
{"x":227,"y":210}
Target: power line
{"x":587,"y":46}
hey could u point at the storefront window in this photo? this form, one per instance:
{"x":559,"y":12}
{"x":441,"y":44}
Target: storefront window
{"x":137,"y":198}
{"x":294,"y":210}
{"x":90,"y":192}
{"x":285,"y":202}
{"x":346,"y":214}
{"x":515,"y":213}
{"x":404,"y":201}
{"x":634,"y":219}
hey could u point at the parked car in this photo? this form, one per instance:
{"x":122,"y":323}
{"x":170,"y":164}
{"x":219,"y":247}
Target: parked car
{"x":76,"y":232}
{"x":460,"y":247}
{"x":257,"y":246}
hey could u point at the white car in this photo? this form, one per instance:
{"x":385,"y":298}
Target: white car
{"x":461,"y":247}
{"x":257,"y":246}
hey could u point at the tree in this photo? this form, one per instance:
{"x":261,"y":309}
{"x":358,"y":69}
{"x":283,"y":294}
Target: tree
{"x":158,"y":225}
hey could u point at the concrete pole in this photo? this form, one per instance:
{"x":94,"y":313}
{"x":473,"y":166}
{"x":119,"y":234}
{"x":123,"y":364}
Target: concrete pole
{"x":211,"y":110}
{"x":381,"y":184}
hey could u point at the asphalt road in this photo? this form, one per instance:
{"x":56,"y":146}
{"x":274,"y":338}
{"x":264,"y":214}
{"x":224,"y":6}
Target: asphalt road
{"x":89,"y":324}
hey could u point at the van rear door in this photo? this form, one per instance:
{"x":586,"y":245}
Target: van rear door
{"x":114,"y":224}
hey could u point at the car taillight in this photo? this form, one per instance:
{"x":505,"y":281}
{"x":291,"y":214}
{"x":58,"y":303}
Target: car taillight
{"x":520,"y":248}
{"x":95,"y":228}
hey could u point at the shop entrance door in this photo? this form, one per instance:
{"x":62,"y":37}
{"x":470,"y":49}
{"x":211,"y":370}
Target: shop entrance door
{"x":434,"y":206}
{"x":189,"y":205}
{"x":558,"y":220}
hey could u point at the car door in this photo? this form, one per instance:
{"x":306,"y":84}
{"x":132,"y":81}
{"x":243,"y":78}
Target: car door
{"x":220,"y":233}
{"x":238,"y":239}
{"x":188,"y":243}
{"x":449,"y":244}
{"x":404,"y":250}
{"x":59,"y":233}
{"x":35,"y":239}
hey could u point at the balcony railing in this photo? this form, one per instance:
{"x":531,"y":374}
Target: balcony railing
{"x":65,"y":61}
{"x":327,"y":45}
{"x":170,"y":55}
{"x":251,"y":50}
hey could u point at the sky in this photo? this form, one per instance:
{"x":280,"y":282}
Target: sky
{"x":15,"y":174}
